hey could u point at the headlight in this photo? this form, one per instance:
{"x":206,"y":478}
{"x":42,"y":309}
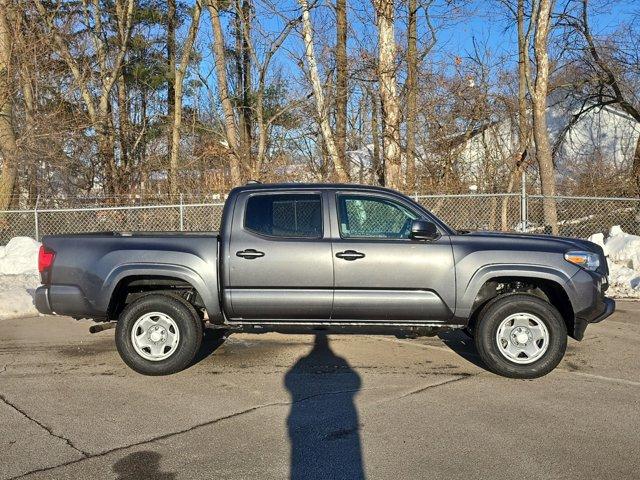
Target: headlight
{"x":586,"y":260}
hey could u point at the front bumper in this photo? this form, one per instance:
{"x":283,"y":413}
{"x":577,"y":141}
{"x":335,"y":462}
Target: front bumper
{"x":603,"y":308}
{"x":586,"y":291}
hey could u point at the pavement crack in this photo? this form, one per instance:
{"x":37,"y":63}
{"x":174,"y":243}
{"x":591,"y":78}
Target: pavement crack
{"x":43,"y":426}
{"x":87,"y":455}
{"x":459,"y":378}
{"x":7,"y":365}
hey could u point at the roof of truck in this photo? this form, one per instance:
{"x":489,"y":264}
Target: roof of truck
{"x":312,"y":186}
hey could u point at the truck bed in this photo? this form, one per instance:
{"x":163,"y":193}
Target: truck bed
{"x":89,"y":267}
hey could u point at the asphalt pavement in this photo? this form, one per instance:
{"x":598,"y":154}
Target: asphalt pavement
{"x":316,"y":406}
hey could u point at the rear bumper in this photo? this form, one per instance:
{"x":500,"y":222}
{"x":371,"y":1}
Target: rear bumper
{"x":42,"y":300}
{"x":63,"y":300}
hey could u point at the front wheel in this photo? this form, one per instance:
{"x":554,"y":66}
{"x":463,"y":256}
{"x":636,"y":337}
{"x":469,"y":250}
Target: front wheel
{"x":158,"y":334}
{"x":520,"y":336}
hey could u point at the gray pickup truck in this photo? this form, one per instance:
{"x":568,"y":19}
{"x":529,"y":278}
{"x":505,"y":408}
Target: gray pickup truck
{"x":298,"y":257}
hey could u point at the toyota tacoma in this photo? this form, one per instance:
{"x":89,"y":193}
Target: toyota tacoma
{"x":294,"y":257}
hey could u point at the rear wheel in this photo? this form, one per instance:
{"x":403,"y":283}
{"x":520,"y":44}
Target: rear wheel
{"x":520,"y":336}
{"x":158,"y":335}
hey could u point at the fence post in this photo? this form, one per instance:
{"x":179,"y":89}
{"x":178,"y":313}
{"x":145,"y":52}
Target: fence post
{"x":35,"y":219}
{"x":524,"y":207}
{"x":181,"y":214}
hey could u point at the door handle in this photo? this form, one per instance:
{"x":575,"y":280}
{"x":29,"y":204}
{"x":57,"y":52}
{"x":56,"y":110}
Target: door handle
{"x":350,"y":255}
{"x":249,"y":254}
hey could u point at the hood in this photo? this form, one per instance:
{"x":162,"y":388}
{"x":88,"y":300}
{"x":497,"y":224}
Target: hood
{"x":533,"y":241}
{"x":574,"y":243}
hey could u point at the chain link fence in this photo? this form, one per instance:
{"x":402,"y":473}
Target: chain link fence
{"x":577,"y":216}
{"x":152,"y":218}
{"x":476,"y":212}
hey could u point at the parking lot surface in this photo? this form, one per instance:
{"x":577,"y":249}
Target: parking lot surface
{"x":316,"y":406}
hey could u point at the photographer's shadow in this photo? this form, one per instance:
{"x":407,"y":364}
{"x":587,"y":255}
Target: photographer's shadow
{"x":323,"y":426}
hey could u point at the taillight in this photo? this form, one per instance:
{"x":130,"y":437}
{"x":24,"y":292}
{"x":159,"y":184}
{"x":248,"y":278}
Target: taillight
{"x":45,"y":259}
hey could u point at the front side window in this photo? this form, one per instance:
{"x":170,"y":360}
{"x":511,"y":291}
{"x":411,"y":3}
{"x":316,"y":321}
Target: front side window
{"x":284,"y":215}
{"x":373,"y":217}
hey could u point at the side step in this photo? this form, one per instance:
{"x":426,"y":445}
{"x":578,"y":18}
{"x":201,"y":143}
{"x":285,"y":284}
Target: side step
{"x":338,"y":323}
{"x":401,"y":330}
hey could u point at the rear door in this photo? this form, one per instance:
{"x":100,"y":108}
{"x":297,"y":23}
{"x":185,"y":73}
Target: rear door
{"x":279,"y":258}
{"x":380,"y":273}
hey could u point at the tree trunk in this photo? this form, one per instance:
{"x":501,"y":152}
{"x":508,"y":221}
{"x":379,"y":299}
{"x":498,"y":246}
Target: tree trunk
{"x":231,"y":130}
{"x":8,"y":146}
{"x":247,"y":111}
{"x":341,"y":79}
{"x":341,"y":170}
{"x":523,"y":75}
{"x":106,"y":144}
{"x":172,"y":20}
{"x":412,"y":94}
{"x":635,"y":169}
{"x":242,"y":60}
{"x":378,"y":168}
{"x":179,"y":74}
{"x":123,"y":126}
{"x":519,"y":159}
{"x":544,"y":154}
{"x":388,"y":92}
{"x":29,"y":113}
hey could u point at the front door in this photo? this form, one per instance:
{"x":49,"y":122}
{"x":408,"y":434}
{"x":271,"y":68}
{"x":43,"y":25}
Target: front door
{"x":279,"y":259}
{"x":380,"y":273}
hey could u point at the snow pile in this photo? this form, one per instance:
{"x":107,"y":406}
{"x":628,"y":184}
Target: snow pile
{"x":623,"y":252}
{"x":19,"y":256}
{"x":18,"y":277}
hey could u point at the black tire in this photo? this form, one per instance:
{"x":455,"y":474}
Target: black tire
{"x":183,"y":315}
{"x":499,"y":309}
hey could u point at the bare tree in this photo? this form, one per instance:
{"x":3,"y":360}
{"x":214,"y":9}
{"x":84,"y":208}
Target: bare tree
{"x":609,"y":77}
{"x":178,"y":81}
{"x":96,"y":98}
{"x":339,"y":164}
{"x":524,"y":129}
{"x":172,"y":21}
{"x":265,"y":120}
{"x":377,"y":163}
{"x":231,"y":128}
{"x":8,"y":146}
{"x":544,"y":154}
{"x":389,"y":92}
{"x":243,"y":66}
{"x":342,"y":91}
{"x":412,"y":93}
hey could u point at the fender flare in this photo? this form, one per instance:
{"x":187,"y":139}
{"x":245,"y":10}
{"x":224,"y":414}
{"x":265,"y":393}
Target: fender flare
{"x":467,"y":293}
{"x":207,"y":291}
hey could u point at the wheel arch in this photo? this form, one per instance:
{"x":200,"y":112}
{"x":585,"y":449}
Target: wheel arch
{"x":164,"y":277}
{"x":543,"y":282}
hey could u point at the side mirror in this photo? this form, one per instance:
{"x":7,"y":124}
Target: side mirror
{"x":424,"y":230}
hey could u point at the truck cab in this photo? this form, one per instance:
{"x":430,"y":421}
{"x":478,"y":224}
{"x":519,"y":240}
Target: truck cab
{"x":344,"y":254}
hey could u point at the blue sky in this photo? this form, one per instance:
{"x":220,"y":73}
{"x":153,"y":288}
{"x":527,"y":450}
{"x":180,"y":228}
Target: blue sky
{"x":486,"y":22}
{"x":490,"y":26}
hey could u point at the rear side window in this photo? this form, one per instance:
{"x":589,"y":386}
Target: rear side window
{"x":285,"y":215}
